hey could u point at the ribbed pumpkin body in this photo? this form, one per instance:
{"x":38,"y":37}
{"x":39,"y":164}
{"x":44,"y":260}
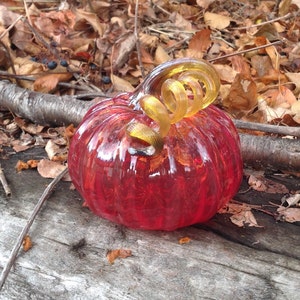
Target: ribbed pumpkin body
{"x":197,"y":172}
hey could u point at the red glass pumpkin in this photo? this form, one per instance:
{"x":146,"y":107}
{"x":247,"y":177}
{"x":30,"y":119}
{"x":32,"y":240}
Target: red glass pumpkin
{"x":197,"y":171}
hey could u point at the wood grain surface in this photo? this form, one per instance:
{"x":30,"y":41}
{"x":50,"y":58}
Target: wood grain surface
{"x":70,"y":244}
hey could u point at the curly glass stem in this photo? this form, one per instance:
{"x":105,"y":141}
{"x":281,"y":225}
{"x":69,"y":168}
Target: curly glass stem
{"x":174,"y":90}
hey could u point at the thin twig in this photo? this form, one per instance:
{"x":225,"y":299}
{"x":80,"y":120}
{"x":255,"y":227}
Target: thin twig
{"x":137,"y":40}
{"x":27,"y":13}
{"x":10,"y":27}
{"x":263,"y":23}
{"x":244,"y":51}
{"x":26,"y":228}
{"x":11,"y":63}
{"x":282,"y":130}
{"x":4,"y":183}
{"x":63,"y":84}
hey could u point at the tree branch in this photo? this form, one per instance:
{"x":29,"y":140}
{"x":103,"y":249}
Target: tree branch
{"x":46,"y":109}
{"x":41,"y":108}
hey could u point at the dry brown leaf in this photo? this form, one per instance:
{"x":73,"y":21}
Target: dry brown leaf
{"x":4,"y":139}
{"x":281,"y":97}
{"x":295,"y":108}
{"x":48,"y":83}
{"x":204,"y":3}
{"x":272,"y":113}
{"x":192,"y":53}
{"x":69,"y":132}
{"x":27,"y":243}
{"x":262,"y":184}
{"x":240,"y":65}
{"x":112,"y":255}
{"x":121,"y":50}
{"x":244,"y":218}
{"x":294,"y":78}
{"x":53,"y":150}
{"x":284,"y":7}
{"x":92,"y":19}
{"x":146,"y":57}
{"x":242,"y":97}
{"x":261,"y":64}
{"x":32,"y":163}
{"x":274,"y":56}
{"x":289,"y":214}
{"x":216,"y":21}
{"x":120,"y":84}
{"x":180,"y":22}
{"x":51,"y":169}
{"x":296,"y":2}
{"x":28,"y":127}
{"x":184,"y":240}
{"x":270,"y":50}
{"x":226,"y":72}
{"x":201,"y":40}
{"x":291,"y":200}
{"x":24,"y":66}
{"x":241,"y":214}
{"x":148,"y":40}
{"x":21,"y":165}
{"x":18,"y":146}
{"x":256,"y":184}
{"x":161,"y":55}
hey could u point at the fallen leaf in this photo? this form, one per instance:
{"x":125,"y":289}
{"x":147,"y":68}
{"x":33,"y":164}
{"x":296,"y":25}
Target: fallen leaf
{"x":289,"y":214}
{"x":21,"y":165}
{"x":244,"y":218}
{"x":112,"y":255}
{"x":69,"y":132}
{"x":226,"y":72}
{"x":4,"y":139}
{"x":148,"y":40}
{"x":216,"y":21}
{"x":120,"y":84}
{"x":240,"y":65}
{"x":262,"y":184}
{"x":121,"y":50}
{"x":180,"y":22}
{"x":242,"y":97}
{"x":291,"y":200}
{"x":48,"y":83}
{"x":294,"y":78}
{"x":201,"y":40}
{"x":32,"y":163}
{"x":51,"y":169}
{"x":28,"y":127}
{"x":27,"y":244}
{"x":280,"y":97}
{"x":262,"y":65}
{"x":92,"y":19}
{"x":256,"y":184}
{"x":52,"y":149}
{"x":268,"y":32}
{"x":241,"y":214}
{"x":161,"y":55}
{"x":284,"y":7}
{"x":184,"y":240}
{"x":204,"y":3}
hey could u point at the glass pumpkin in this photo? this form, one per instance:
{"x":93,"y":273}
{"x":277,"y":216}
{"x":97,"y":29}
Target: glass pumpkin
{"x":195,"y":170}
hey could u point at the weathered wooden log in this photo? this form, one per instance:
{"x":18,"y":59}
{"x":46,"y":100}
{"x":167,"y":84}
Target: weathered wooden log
{"x":47,"y":109}
{"x":222,"y":261}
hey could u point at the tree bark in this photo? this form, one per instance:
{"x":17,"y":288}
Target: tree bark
{"x":275,"y":153}
{"x":44,"y":109}
{"x":270,"y":152}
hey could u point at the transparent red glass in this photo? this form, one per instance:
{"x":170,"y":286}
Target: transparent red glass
{"x":197,"y":172}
